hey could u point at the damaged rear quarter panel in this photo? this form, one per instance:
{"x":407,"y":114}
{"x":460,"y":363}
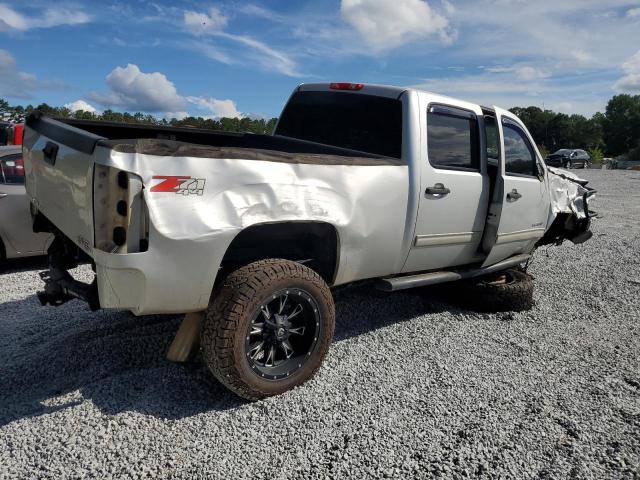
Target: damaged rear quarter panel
{"x":189,"y":234}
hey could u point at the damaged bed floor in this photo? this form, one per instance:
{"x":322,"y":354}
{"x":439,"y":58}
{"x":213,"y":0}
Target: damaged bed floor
{"x":412,"y":386}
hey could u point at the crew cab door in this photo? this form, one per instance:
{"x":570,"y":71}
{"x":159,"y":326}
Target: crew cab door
{"x":520,"y":205}
{"x":454,"y":192}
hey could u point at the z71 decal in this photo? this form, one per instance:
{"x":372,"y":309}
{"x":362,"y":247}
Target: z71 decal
{"x":178,"y":184}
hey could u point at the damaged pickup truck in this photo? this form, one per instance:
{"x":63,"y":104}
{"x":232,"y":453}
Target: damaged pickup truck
{"x":246,"y":234}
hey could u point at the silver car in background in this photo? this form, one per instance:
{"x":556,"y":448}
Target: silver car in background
{"x":16,"y":235}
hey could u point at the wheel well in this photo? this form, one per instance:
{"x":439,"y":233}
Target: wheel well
{"x":314,"y":244}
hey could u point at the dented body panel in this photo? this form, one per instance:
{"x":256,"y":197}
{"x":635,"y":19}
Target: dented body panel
{"x":242,"y":193}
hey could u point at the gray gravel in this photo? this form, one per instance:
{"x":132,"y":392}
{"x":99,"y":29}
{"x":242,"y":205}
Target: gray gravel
{"x":412,"y":386}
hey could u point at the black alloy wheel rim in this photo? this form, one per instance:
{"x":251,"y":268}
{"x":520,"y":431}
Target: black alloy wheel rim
{"x":283,"y":334}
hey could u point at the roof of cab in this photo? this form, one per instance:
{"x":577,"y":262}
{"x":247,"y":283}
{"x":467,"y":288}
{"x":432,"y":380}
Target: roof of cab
{"x":379,"y":90}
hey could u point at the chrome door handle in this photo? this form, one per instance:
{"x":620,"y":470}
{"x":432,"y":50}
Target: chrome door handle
{"x":2,"y":195}
{"x":437,"y":189}
{"x":513,"y":195}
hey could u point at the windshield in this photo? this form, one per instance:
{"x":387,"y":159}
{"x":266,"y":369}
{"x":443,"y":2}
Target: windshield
{"x":360,"y":122}
{"x":562,"y":151}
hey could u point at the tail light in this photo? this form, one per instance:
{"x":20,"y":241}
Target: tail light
{"x":13,"y":170}
{"x":119,"y":211}
{"x":346,"y":86}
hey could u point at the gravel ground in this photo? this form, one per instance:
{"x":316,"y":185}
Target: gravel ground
{"x":412,"y":386}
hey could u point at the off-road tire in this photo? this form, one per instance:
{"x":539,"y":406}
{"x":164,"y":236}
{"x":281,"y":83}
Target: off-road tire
{"x":234,"y":303}
{"x":490,"y":294}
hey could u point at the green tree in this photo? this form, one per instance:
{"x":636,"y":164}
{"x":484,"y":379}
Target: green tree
{"x":596,"y":154}
{"x":544,"y":151}
{"x":622,"y":124}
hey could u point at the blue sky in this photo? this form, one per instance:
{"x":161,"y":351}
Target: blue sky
{"x":234,"y":58}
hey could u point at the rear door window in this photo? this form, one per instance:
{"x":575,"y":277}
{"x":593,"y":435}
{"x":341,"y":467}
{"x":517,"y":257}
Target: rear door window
{"x":12,"y":168}
{"x":356,"y":121}
{"x":452,"y":138}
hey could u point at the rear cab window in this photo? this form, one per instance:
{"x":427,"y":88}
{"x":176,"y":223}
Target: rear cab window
{"x":452,"y":138}
{"x":12,"y":169}
{"x":355,"y":121}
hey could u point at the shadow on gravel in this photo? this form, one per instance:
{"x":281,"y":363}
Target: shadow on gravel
{"x":360,"y":308}
{"x":55,"y":358}
{"x":23,"y":265}
{"x":52,"y":359}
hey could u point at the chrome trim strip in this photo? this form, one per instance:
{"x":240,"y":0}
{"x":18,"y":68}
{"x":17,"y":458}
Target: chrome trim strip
{"x":446,"y":239}
{"x":519,"y":236}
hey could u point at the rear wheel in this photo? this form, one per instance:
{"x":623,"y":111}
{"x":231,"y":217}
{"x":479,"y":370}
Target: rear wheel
{"x":268,"y":328}
{"x":509,"y":290}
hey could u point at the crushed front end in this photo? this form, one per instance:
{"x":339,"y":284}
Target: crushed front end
{"x":570,"y":213}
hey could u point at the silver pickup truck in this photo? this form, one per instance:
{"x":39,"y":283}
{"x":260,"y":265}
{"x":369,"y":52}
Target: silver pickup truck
{"x":246,"y":234}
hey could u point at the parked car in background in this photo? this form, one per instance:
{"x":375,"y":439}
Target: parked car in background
{"x":569,"y":158}
{"x":4,"y":133}
{"x":16,"y":233}
{"x":11,"y":133}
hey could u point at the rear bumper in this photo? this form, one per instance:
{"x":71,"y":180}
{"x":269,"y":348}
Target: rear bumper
{"x":173,"y":276}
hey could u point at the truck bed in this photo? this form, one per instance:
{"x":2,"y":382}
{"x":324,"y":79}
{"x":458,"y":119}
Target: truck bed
{"x":158,"y":208}
{"x":84,"y":135}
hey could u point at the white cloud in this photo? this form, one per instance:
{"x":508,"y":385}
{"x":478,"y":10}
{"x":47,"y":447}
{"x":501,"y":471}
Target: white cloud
{"x":505,"y":90}
{"x":632,"y":65}
{"x":176,"y":115}
{"x":14,"y":83}
{"x":631,"y":81}
{"x":11,"y":20}
{"x":209,"y":23}
{"x":264,"y":55}
{"x":633,"y":13}
{"x":254,"y":52}
{"x":522,"y":72}
{"x":386,"y":24}
{"x":261,"y":12}
{"x":218,"y":108}
{"x":133,"y":89}
{"x":80,"y":105}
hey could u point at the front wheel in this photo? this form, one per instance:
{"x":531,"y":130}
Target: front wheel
{"x":268,"y":328}
{"x":509,"y":290}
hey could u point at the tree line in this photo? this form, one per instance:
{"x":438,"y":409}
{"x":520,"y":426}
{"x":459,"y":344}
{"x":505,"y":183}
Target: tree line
{"x":17,"y":113}
{"x":614,"y":133}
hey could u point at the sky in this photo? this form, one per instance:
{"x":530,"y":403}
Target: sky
{"x":243,"y":58}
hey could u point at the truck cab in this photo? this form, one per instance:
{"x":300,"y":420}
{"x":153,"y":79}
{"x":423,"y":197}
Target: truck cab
{"x":477,"y":187}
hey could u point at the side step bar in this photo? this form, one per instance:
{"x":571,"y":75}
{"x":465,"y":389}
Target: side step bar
{"x":411,"y":281}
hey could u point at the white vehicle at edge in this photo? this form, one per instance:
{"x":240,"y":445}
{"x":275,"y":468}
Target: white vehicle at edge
{"x":246,"y":233}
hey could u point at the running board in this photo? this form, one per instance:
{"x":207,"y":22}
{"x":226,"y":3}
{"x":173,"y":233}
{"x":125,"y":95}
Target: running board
{"x":423,"y":279}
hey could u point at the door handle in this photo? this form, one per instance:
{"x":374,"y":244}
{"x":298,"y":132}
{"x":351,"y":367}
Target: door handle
{"x":437,"y":189}
{"x":2,"y":195}
{"x":513,"y":195}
